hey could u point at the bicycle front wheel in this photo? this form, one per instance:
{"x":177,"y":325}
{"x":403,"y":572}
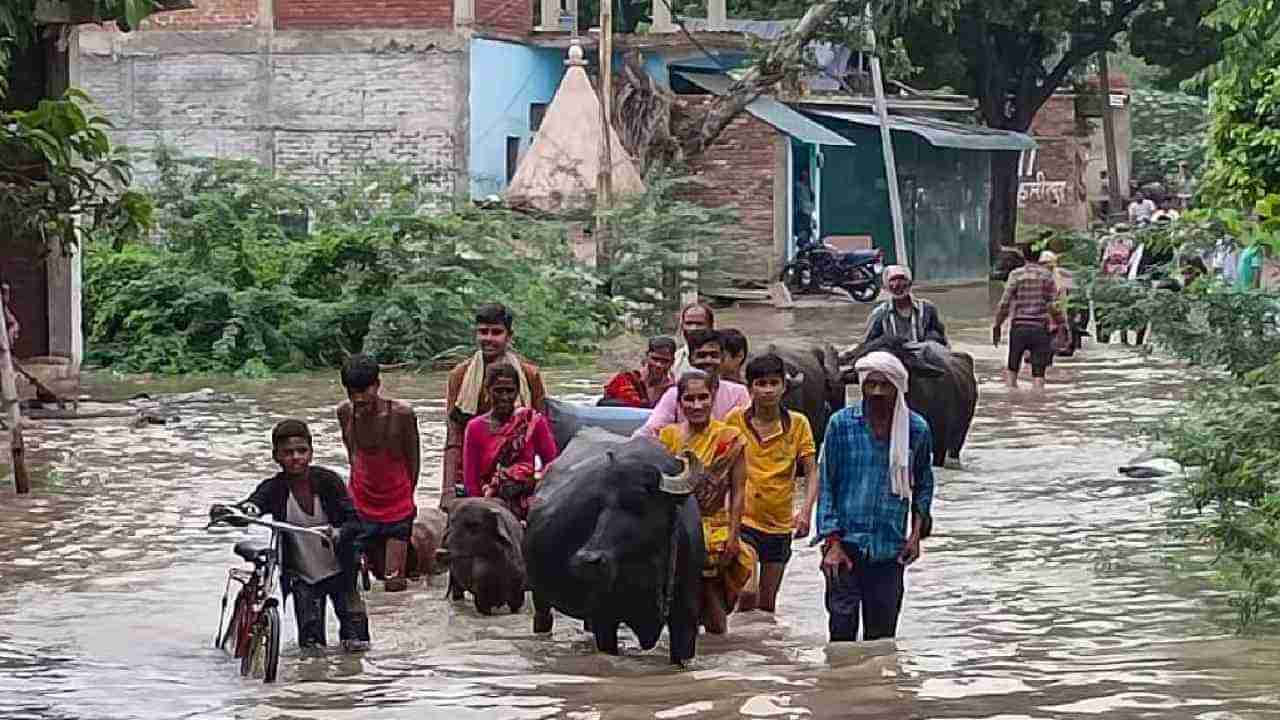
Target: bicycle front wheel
{"x":263,"y":658}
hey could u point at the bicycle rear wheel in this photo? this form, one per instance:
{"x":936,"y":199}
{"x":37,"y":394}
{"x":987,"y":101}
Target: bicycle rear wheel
{"x":263,"y":658}
{"x":237,"y":632}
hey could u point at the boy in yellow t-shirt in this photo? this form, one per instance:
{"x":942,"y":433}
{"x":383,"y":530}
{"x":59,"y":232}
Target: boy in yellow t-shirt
{"x":778,"y":442}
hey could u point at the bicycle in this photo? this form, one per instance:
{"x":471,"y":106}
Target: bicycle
{"x":255,"y":619}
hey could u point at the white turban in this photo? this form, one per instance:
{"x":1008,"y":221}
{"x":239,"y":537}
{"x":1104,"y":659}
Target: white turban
{"x":894,"y":271}
{"x":900,"y":428}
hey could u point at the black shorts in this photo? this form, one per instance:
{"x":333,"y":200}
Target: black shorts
{"x":371,"y":531}
{"x":1033,"y":338}
{"x":771,"y":547}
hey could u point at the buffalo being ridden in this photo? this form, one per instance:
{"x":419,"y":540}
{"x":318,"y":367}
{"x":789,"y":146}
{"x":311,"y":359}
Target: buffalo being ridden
{"x":942,"y":387}
{"x":615,"y":537}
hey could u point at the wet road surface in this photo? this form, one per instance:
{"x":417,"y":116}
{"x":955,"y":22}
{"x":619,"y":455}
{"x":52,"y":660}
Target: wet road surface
{"x":1047,"y":590}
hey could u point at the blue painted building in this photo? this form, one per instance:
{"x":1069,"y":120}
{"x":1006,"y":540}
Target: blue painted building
{"x":511,"y":85}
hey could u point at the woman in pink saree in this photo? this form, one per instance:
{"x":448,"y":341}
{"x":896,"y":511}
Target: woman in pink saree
{"x":500,"y":448}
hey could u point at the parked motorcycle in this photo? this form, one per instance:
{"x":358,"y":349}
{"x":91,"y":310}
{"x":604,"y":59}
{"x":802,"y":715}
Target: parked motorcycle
{"x":819,"y":266}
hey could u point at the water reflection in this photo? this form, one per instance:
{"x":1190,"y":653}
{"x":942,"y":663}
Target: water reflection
{"x":1044,"y":594}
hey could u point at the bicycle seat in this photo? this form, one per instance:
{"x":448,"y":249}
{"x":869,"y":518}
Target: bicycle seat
{"x":251,"y":551}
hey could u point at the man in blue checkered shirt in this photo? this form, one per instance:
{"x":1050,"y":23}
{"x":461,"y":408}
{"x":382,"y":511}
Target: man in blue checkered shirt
{"x":875,"y":478}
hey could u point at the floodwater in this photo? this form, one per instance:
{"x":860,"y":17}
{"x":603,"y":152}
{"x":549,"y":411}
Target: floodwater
{"x":1048,"y":590}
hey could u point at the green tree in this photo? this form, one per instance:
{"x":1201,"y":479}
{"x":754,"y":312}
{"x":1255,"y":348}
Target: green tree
{"x":1171,"y":36}
{"x":1244,"y":137}
{"x":1168,"y":127}
{"x":1012,"y":56}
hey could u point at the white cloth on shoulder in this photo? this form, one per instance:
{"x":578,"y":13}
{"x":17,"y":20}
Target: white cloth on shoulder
{"x":900,"y":428}
{"x":473,"y":382}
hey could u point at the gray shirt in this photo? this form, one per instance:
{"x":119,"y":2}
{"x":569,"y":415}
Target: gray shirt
{"x":313,"y":561}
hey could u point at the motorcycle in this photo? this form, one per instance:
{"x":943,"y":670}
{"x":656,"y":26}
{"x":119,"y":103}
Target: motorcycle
{"x":819,"y":266}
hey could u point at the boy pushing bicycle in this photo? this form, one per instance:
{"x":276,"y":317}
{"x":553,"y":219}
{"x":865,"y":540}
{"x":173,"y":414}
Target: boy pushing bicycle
{"x":310,"y":496}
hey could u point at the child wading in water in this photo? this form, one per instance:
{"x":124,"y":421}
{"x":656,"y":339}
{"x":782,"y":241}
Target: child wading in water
{"x":310,"y":496}
{"x":778,"y":442}
{"x":381,"y":436}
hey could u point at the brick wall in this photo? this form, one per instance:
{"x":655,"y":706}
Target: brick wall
{"x":739,"y":170}
{"x":208,"y":15}
{"x":344,"y":14}
{"x":312,"y":105}
{"x":505,"y":17}
{"x":1051,"y":178}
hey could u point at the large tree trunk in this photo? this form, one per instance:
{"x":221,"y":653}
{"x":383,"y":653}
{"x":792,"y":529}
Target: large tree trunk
{"x":1004,"y":202}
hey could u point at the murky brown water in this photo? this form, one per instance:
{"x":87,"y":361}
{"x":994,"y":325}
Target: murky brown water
{"x":1045,"y":593}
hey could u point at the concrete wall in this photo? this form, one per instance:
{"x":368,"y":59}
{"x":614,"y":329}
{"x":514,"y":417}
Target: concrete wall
{"x":506,"y":79}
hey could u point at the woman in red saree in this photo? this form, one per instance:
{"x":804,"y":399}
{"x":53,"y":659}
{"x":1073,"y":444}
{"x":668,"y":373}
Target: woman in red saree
{"x":644,"y":387}
{"x":500,"y":447}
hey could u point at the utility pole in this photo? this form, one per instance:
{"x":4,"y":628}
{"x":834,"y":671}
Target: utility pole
{"x":11,"y":410}
{"x":604,"y":178}
{"x":1116,"y":200}
{"x":886,"y":142}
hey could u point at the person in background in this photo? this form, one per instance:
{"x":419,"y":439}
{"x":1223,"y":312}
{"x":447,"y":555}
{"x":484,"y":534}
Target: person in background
{"x":904,"y":316}
{"x":1141,"y":209}
{"x":1249,"y":267}
{"x":1061,"y":334}
{"x":778,"y":444}
{"x":1029,"y":303}
{"x":502,"y":447}
{"x":692,"y":317}
{"x":381,"y":437}
{"x":1193,"y":268}
{"x":735,"y":355}
{"x":10,"y":319}
{"x":1226,"y":259}
{"x":720,"y":495}
{"x":644,"y":387}
{"x":804,"y":207}
{"x":875,"y":501}
{"x":707,"y":353}
{"x":466,"y":398}
{"x":310,"y":496}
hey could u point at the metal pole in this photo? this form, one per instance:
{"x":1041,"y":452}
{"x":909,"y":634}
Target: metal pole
{"x":11,"y":410}
{"x":890,"y":166}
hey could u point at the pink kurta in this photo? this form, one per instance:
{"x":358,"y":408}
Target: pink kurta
{"x":729,"y":397}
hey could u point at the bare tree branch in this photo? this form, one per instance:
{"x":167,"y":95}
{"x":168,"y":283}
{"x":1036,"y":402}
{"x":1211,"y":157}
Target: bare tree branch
{"x":758,"y":79}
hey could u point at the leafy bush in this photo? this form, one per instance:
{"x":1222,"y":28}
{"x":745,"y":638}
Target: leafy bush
{"x":247,"y":272}
{"x":1227,"y":433}
{"x":656,"y":243}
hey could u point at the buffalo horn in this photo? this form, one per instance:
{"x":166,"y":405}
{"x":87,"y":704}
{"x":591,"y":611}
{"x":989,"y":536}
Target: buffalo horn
{"x":683,"y":483}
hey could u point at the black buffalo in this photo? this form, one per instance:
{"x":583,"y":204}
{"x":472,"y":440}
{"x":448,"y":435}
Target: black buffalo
{"x":615,"y":537}
{"x":942,"y":387}
{"x":483,"y":546}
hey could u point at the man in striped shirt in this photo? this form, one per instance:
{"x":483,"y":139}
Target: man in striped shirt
{"x":1028,"y":303}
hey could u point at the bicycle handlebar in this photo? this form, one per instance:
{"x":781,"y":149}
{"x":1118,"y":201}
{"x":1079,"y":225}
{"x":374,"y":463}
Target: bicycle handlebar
{"x":274,"y":525}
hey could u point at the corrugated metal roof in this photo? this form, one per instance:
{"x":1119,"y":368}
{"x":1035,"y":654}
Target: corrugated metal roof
{"x":771,"y":111}
{"x":941,"y":133}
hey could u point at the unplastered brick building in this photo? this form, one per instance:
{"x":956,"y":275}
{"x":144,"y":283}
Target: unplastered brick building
{"x":310,"y":88}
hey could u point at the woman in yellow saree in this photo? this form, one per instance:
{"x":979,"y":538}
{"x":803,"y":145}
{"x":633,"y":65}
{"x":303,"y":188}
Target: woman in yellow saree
{"x":720,"y":493}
